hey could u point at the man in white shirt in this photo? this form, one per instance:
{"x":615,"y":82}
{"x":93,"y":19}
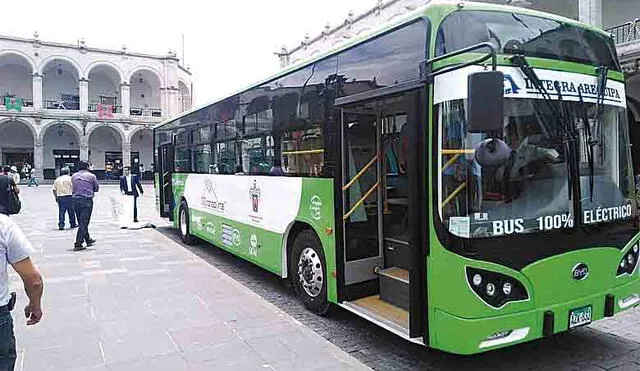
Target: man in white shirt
{"x":15,"y":250}
{"x":63,"y":191}
{"x":130,"y":186}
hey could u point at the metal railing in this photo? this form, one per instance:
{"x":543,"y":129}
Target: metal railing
{"x":627,"y":32}
{"x":93,"y":107}
{"x":153,"y":112}
{"x":61,"y":104}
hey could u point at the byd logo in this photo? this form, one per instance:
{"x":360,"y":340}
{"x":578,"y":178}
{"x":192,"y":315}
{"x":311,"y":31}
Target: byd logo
{"x":580,"y":272}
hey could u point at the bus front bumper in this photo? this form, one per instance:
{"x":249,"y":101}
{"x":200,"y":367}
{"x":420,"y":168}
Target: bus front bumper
{"x":468,"y":336}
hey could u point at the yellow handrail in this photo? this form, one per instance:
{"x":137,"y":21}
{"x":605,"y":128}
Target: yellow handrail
{"x":304,"y":152}
{"x":453,"y":194}
{"x":361,"y":200}
{"x":450,"y":162}
{"x":462,"y":151}
{"x":357,"y":176}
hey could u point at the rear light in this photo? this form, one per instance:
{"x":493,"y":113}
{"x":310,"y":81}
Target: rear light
{"x":629,"y":261}
{"x":495,"y":289}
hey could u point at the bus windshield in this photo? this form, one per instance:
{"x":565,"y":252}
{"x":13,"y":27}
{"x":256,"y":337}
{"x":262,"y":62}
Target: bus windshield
{"x":531,"y":191}
{"x":531,"y":36}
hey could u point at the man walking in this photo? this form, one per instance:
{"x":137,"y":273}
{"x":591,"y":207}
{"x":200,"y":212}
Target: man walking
{"x":129,"y":185}
{"x":85,"y":184}
{"x":15,"y":250}
{"x":6,"y":181}
{"x":63,"y":191}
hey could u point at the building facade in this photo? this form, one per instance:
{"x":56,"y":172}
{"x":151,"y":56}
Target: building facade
{"x":62,"y":103}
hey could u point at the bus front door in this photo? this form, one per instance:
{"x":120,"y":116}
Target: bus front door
{"x":382,"y":208}
{"x":165,"y":168}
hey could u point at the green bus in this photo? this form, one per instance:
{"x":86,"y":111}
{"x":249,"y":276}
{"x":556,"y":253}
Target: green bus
{"x":461,"y":177}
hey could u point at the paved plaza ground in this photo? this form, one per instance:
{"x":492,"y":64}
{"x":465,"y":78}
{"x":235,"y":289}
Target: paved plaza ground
{"x":139,"y":301}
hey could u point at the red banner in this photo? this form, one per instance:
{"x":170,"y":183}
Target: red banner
{"x":105,"y":110}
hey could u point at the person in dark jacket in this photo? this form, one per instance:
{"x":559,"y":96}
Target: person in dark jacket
{"x":130,"y":186}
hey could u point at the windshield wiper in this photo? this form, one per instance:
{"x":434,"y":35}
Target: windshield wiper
{"x":568,"y":135}
{"x":520,"y":61}
{"x":590,"y":142}
{"x":601,"y":86}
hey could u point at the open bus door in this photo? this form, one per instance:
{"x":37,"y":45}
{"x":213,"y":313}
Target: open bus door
{"x":165,"y":168}
{"x":383,"y":211}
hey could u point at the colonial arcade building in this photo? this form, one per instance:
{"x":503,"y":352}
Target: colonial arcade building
{"x":60,"y":103}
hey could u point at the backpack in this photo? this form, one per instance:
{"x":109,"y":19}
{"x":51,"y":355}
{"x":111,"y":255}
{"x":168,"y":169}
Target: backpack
{"x":13,"y":201}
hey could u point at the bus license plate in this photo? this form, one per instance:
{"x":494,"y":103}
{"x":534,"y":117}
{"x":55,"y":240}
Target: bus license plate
{"x":580,"y":316}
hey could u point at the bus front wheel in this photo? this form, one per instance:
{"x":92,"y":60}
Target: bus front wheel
{"x":183,"y":223}
{"x":308,"y":272}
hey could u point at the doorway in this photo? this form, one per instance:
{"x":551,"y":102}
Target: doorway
{"x":379,"y":201}
{"x":165,"y":167}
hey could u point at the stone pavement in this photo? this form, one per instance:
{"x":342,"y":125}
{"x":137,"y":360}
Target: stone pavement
{"x":139,"y":301}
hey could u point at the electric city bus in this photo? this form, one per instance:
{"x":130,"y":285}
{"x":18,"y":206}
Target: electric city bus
{"x":461,"y":177}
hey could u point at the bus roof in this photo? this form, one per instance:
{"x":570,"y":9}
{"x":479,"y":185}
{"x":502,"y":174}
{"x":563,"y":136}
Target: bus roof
{"x":445,"y":5}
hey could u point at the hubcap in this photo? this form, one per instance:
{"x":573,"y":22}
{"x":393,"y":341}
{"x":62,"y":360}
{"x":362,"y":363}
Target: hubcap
{"x":310,"y":272}
{"x":183,"y":222}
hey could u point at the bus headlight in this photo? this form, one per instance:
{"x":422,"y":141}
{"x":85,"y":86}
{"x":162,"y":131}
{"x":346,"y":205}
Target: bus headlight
{"x":629,"y":261}
{"x":495,"y":289}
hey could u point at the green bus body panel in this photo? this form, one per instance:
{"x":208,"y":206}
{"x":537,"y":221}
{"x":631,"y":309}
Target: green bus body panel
{"x":260,"y":246}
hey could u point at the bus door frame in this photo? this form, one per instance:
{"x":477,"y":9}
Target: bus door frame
{"x":419,"y":204}
{"x":166,"y":169}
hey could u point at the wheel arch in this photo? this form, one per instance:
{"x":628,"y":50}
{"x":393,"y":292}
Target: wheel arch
{"x":290,"y":235}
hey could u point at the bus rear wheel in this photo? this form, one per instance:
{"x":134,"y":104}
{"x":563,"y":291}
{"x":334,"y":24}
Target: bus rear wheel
{"x":183,"y":223}
{"x":308,"y":272}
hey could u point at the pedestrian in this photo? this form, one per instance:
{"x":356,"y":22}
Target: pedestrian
{"x":84,"y":184}
{"x":15,"y":249}
{"x":6,"y":181}
{"x":130,"y":186}
{"x":63,"y":192}
{"x":14,"y":174}
{"x":33,"y":179}
{"x":141,"y":171}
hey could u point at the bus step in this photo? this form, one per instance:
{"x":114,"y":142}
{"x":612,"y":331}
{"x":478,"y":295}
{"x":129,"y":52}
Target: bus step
{"x":396,"y":253}
{"x":394,"y":286}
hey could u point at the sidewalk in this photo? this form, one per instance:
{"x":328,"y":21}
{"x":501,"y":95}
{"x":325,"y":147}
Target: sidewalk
{"x":139,"y":301}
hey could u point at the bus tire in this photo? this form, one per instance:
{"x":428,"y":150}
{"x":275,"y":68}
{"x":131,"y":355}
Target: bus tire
{"x":308,"y":272}
{"x":183,"y":223}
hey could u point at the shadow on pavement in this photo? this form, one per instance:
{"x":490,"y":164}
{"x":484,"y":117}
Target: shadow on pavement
{"x":582,"y":349}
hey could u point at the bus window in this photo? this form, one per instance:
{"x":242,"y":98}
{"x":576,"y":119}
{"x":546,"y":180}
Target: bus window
{"x":257,"y":155}
{"x":302,"y":152}
{"x":225,"y":158}
{"x":202,"y":158}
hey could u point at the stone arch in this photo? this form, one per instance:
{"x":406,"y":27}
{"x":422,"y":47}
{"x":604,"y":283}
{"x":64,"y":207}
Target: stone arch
{"x":148,"y":69}
{"x":87,"y":71}
{"x":135,"y":129}
{"x":117,"y":128}
{"x":28,"y":123}
{"x":18,"y":53}
{"x":71,"y":61}
{"x":49,"y":124}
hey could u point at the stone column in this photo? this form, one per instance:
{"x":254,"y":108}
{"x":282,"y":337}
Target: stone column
{"x":163,"y":102}
{"x":84,"y":148}
{"x":125,"y":97}
{"x":84,"y":95}
{"x":37,"y":91}
{"x":38,"y":158}
{"x":126,"y":153}
{"x":590,"y":11}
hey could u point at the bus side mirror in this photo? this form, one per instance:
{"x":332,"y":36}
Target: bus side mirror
{"x":485,"y":102}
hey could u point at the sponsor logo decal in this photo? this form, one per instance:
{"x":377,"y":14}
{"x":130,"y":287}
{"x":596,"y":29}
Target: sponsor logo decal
{"x":209,"y":198}
{"x":580,"y":272}
{"x":315,"y":207}
{"x":230,"y":236}
{"x":254,"y":194}
{"x":253,"y":248}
